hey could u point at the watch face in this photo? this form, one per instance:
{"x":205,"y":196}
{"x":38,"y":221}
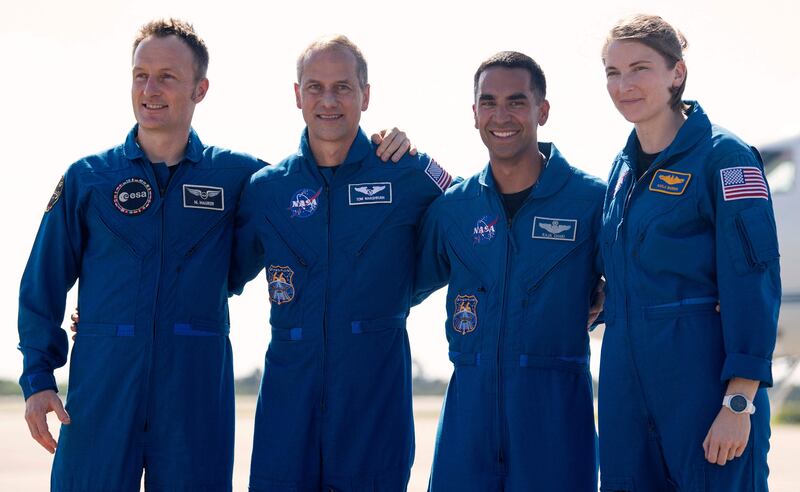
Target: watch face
{"x":738,"y":403}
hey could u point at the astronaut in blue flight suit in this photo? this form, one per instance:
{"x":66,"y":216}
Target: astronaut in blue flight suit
{"x":687,"y":221}
{"x":147,"y":228}
{"x":334,"y":229}
{"x":516,"y":243}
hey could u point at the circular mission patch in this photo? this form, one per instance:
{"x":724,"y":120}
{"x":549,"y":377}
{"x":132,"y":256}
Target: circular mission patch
{"x":56,"y":195}
{"x":133,"y":196}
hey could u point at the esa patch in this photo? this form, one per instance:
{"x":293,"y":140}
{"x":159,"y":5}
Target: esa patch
{"x":201,"y":196}
{"x":304,"y":202}
{"x":743,"y":182}
{"x":438,"y":175}
{"x":669,"y":182}
{"x":55,"y":196}
{"x":465,"y":314}
{"x":369,"y":193}
{"x":554,"y":229}
{"x":279,"y":283}
{"x":484,"y":230}
{"x":133,"y":196}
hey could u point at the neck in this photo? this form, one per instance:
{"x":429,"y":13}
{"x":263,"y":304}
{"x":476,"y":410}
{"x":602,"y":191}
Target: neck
{"x":329,"y":153}
{"x":658,"y":132}
{"x":168,"y":148}
{"x":512,"y":176}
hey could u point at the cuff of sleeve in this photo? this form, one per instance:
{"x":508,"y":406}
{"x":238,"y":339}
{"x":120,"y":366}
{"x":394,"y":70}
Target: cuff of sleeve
{"x":748,"y":367}
{"x":36,"y":382}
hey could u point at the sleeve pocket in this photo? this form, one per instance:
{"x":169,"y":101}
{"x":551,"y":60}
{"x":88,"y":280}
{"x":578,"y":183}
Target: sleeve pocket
{"x":753,"y":240}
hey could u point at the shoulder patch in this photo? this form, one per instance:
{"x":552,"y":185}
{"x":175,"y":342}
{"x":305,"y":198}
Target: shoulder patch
{"x":438,"y":175}
{"x":669,"y":182}
{"x":743,"y":182}
{"x":55,"y":196}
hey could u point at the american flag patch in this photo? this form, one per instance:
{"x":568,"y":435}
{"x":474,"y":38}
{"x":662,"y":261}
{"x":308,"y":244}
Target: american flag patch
{"x":438,"y":175}
{"x":743,"y":182}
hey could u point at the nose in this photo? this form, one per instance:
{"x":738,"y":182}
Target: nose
{"x":151,"y":87}
{"x":328,"y":98}
{"x":501,"y":114}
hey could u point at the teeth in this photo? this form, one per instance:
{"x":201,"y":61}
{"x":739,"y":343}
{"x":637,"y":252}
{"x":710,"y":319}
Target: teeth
{"x":503,"y":134}
{"x":155,"y":106}
{"x":328,"y":116}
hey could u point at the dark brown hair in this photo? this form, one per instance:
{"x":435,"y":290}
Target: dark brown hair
{"x":162,"y":28}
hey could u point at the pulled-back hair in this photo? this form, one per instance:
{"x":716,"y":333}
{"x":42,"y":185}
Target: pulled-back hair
{"x":657,"y":34}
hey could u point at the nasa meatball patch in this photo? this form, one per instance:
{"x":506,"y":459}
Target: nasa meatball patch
{"x":133,"y":196}
{"x":56,"y":195}
{"x":202,"y":196}
{"x":554,"y":229}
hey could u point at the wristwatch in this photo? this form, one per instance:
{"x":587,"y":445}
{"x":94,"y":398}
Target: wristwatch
{"x":738,"y":403}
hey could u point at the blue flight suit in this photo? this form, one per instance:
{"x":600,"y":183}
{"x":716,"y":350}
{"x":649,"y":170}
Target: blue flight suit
{"x":697,"y":227}
{"x":518,"y":414}
{"x":334,"y":410}
{"x":151,"y":381}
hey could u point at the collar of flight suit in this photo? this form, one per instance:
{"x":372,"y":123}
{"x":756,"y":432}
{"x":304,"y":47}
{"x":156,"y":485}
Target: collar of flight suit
{"x":553,"y":177}
{"x":359,"y":149}
{"x":132,"y":151}
{"x":696,"y":127}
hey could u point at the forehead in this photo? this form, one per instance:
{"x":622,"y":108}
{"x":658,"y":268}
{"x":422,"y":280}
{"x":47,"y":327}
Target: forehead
{"x":624,"y":51}
{"x":500,"y":81}
{"x":330,"y":64}
{"x":163,"y":52}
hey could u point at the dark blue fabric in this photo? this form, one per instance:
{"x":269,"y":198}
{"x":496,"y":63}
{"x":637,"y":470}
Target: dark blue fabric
{"x":518,"y":414}
{"x":335,"y":403}
{"x":142,"y":394}
{"x":670,"y":253}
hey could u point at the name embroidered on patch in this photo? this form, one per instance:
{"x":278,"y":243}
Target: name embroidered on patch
{"x":484,"y":230}
{"x":304,"y":202}
{"x":370,"y":193}
{"x":465,"y":315}
{"x":202,"y":196}
{"x":279,"y":283}
{"x":669,"y":182}
{"x":554,"y":229}
{"x":438,"y":175}
{"x":133,"y":196}
{"x":55,"y":196}
{"x":743,"y":182}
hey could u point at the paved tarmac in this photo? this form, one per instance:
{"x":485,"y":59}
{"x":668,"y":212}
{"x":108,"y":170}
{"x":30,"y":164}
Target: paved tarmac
{"x":25,"y":466}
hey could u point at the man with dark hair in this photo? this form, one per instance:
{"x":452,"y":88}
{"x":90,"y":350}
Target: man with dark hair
{"x":146,"y":227}
{"x":335,"y":230}
{"x":517,"y":244}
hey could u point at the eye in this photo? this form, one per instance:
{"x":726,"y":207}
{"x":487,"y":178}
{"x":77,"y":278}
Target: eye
{"x":342,"y":88}
{"x":639,"y":68}
{"x":611,"y":73}
{"x":486,"y":103}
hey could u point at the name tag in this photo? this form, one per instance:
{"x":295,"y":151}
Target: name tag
{"x":370,"y":193}
{"x":669,"y":182}
{"x":201,"y":196}
{"x":554,"y":229}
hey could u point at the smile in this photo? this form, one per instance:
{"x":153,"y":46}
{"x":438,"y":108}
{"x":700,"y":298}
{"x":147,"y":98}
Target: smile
{"x":329,"y":117}
{"x":154,"y":106}
{"x":503,"y":134}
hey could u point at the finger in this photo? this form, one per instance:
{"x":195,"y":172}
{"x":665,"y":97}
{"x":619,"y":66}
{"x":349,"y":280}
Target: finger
{"x":401,"y":151}
{"x":717,"y":307}
{"x":73,"y":327}
{"x":62,"y":414}
{"x":391,"y":149}
{"x":740,"y":451}
{"x":732,"y":453}
{"x":713,"y":450}
{"x":73,"y":337}
{"x":722,"y":455}
{"x":706,"y":444}
{"x":377,"y":138}
{"x":412,"y":150}
{"x":40,"y":432}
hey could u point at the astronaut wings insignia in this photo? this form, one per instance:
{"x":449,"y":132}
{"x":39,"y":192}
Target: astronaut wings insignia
{"x":370,"y":193}
{"x":369,"y":190}
{"x":671,"y":179}
{"x":204,"y":194}
{"x":554,"y":229}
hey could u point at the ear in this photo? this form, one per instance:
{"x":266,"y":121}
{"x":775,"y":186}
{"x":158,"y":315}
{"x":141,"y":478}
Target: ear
{"x":544,"y":112}
{"x":365,"y":100}
{"x":475,"y":116}
{"x":680,"y":73}
{"x":297,"y":98}
{"x":200,"y":91}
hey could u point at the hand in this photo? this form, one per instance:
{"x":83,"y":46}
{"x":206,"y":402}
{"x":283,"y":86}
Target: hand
{"x":727,"y":437}
{"x":393,"y":144}
{"x":74,"y":326}
{"x":597,"y":306}
{"x":37,"y":406}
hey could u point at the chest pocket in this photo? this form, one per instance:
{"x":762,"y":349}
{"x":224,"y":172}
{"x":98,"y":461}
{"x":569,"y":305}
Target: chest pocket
{"x":133,"y":232}
{"x":471,"y":261}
